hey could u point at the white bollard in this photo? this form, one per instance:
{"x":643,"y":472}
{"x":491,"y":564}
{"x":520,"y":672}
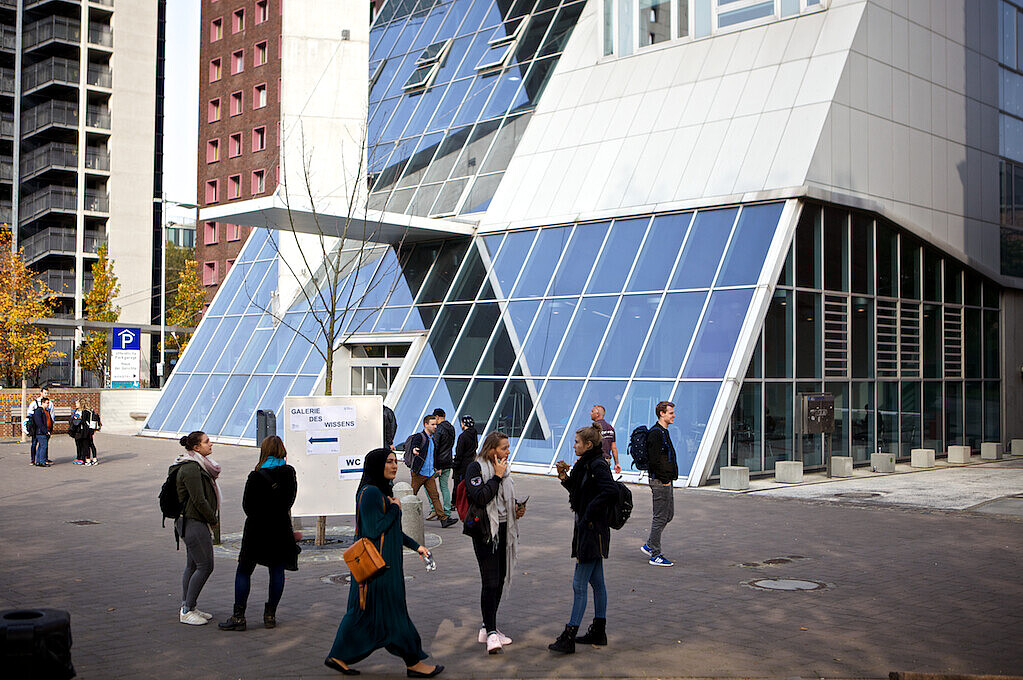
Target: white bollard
{"x":788,"y":471}
{"x":401,"y":489}
{"x":412,"y":518}
{"x":991,"y":451}
{"x":841,"y":466}
{"x":734,"y":477}
{"x":1016,"y":447}
{"x":882,"y":462}
{"x":959,"y":454}
{"x":922,"y":458}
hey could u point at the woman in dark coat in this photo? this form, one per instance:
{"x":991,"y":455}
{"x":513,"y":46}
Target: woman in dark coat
{"x":267,"y":538}
{"x":465,"y":448}
{"x":384,"y":623}
{"x":591,"y":492}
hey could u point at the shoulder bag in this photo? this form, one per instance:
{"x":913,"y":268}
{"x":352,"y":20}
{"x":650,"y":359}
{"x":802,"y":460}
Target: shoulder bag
{"x":364,"y":560}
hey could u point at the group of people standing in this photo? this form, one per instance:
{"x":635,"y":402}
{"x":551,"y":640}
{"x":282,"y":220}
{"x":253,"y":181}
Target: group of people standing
{"x":39,"y":425}
{"x":437,"y":460}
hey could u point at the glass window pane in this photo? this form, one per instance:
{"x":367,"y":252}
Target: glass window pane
{"x":808,"y":247}
{"x":441,"y":339}
{"x":616,"y":259}
{"x":862,"y":245}
{"x":659,"y":252}
{"x":693,"y":403}
{"x":245,"y":406}
{"x":932,"y":411}
{"x":654,"y":21}
{"x":991,"y":354}
{"x":270,"y":362}
{"x":411,"y":406}
{"x":474,"y":339}
{"x":861,"y":345}
{"x":577,"y":263}
{"x":974,"y":414}
{"x":500,"y":355}
{"x":443,"y":271}
{"x":778,"y":336}
{"x":548,"y":425}
{"x":637,"y":409}
{"x":888,"y":417}
{"x":447,"y":395}
{"x":836,"y":249}
{"x":972,"y":342}
{"x":536,"y":274}
{"x":703,"y":248}
{"x":954,"y":413}
{"x":861,"y":403}
{"x":521,"y":313}
{"x":932,"y":275}
{"x":546,"y":335}
{"x":391,"y":319}
{"x":607,"y":393}
{"x":509,"y":261}
{"x":515,"y":407}
{"x":718,"y":333}
{"x":225,"y":405}
{"x":910,"y":269}
{"x":840,"y":437}
{"x":217,"y":344}
{"x":910,"y":418}
{"x":482,"y":398}
{"x":745,"y":431}
{"x":206,"y":395}
{"x":953,"y":283}
{"x":243,"y":332}
{"x":584,"y":337}
{"x":808,"y":335}
{"x":421,"y":317}
{"x":195,"y":347}
{"x":469,"y":279}
{"x":628,"y":331}
{"x":931,"y":341}
{"x":992,"y":416}
{"x":778,"y":424}
{"x":673,"y":331}
{"x":758,"y":11}
{"x":253,"y":295}
{"x":748,"y":248}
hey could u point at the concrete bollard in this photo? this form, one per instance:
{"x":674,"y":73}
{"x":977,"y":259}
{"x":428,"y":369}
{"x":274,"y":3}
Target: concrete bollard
{"x":412,"y":518}
{"x":1016,"y":447}
{"x":734,"y":478}
{"x":959,"y":454}
{"x":882,"y":462}
{"x":922,"y":458}
{"x":991,"y":451}
{"x":841,"y":466}
{"x":788,"y":471}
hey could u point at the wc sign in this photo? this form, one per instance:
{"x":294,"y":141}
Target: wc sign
{"x":125,"y":357}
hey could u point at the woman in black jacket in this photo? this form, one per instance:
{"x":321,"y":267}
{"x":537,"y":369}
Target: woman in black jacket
{"x":591,"y":491}
{"x":267,"y":538}
{"x":465,"y":448}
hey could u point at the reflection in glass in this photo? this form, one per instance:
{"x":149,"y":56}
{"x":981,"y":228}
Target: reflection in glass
{"x":500,"y":355}
{"x":672,"y":333}
{"x":625,"y":338}
{"x":413,"y":402}
{"x":654,"y":21}
{"x":508,"y":264}
{"x":536,"y":274}
{"x":778,"y":336}
{"x":888,"y":417}
{"x":548,"y":425}
{"x":659,"y":252}
{"x":584,"y":337}
{"x":693,"y":403}
{"x":515,"y":407}
{"x":581,"y":252}
{"x":778,"y":430}
{"x":861,"y":424}
{"x":703,"y":249}
{"x":748,"y":248}
{"x":910,"y":418}
{"x":469,"y":279}
{"x":638,"y":409}
{"x":745,"y":429}
{"x":840,"y":437}
{"x":441,"y":339}
{"x":245,"y":406}
{"x":546,"y":335}
{"x":617,"y":256}
{"x":443,"y":271}
{"x":718,"y":333}
{"x":482,"y":397}
{"x":447,"y":395}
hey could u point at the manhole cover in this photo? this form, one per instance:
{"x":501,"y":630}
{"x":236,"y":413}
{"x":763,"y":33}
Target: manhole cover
{"x":789,"y":584}
{"x":83,"y":522}
{"x":337,"y":541}
{"x":858,"y":494}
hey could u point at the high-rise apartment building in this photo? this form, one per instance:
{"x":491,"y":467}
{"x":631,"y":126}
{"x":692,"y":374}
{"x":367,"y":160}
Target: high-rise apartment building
{"x":78,"y":152}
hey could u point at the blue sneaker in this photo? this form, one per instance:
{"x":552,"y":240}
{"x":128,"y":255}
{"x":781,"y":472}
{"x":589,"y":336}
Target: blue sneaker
{"x":647,"y":551}
{"x":661,"y":561}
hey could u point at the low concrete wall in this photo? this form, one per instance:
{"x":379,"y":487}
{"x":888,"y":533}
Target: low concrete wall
{"x":116,"y":407}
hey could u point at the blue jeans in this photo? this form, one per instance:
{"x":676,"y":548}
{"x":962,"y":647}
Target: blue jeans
{"x":42,"y":446}
{"x":591,"y":573}
{"x":243,"y":583}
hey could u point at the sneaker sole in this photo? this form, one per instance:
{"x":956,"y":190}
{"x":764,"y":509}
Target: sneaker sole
{"x":657,"y":564}
{"x":646,"y":552}
{"x":499,"y":650}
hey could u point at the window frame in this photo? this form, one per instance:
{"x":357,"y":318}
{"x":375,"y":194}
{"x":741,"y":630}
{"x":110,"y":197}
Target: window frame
{"x":238,"y":62}
{"x":217,"y":29}
{"x":239,"y":98}
{"x":262,"y":12}
{"x":234,"y":186}
{"x":233,"y":139}
{"x":209,"y":233}
{"x":216,"y":69}
{"x":213,"y":110}
{"x":258,"y":134}
{"x":259,"y":50}
{"x":259,"y":96}
{"x":258,"y":182}
{"x":238,"y":20}
{"x":213,"y":150}
{"x":212,"y":191}
{"x":209,"y":273}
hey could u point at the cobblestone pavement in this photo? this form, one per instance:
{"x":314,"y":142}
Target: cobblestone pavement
{"x":908,"y":589}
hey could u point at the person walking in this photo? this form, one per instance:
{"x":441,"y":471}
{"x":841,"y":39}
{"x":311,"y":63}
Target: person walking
{"x":390,"y":427}
{"x":663,"y":466}
{"x":30,"y":410}
{"x":591,"y":493}
{"x":489,"y":487}
{"x":84,"y":424}
{"x":267,"y":537}
{"x":199,"y":495}
{"x":465,"y":449}
{"x":42,"y":421}
{"x":385,"y":622}
{"x":423,"y":472}
{"x":445,"y":441}
{"x":607,"y":435}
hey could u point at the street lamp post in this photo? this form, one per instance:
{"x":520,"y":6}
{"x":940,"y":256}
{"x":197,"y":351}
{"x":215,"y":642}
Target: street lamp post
{"x":163,"y":278}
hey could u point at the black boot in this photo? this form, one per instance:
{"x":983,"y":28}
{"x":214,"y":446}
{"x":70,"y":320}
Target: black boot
{"x":565,"y":642}
{"x":237,"y":620}
{"x":269,"y":616}
{"x":596,"y":635}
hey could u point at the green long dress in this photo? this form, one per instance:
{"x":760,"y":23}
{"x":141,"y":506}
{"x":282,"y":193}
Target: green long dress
{"x":385,"y":623}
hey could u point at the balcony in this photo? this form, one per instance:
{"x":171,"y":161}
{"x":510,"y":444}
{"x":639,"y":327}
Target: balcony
{"x":50,"y":199}
{"x":6,"y":124}
{"x":55,"y":70}
{"x":58,"y":113}
{"x":29,"y":4}
{"x":105,"y":3}
{"x":6,"y":212}
{"x":7,"y":81}
{"x":60,"y":281}
{"x":55,"y":28}
{"x":97,"y":201}
{"x":97,"y":117}
{"x":100,"y":34}
{"x":97,"y":159}
{"x":8,"y":37}
{"x":99,"y":75}
{"x":59,"y":241}
{"x":56,"y":155}
{"x":9,"y":4}
{"x":6,"y":170}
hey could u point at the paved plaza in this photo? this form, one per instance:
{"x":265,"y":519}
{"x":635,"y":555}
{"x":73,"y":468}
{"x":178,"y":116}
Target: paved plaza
{"x":910,"y":586}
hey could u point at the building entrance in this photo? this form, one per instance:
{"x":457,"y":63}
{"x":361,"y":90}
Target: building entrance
{"x":375,"y":367}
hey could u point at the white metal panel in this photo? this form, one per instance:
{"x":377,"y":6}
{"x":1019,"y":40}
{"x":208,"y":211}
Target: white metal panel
{"x":705,"y":152}
{"x":726,"y":99}
{"x":758,"y":86}
{"x":786,"y":85}
{"x":879,"y":157}
{"x":731,"y":155}
{"x":839,"y":27}
{"x":776,"y":41}
{"x":821,"y":79}
{"x":879,"y":84}
{"x":879,"y":32}
{"x":805,"y":33}
{"x":763,"y":148}
{"x":797,"y":145}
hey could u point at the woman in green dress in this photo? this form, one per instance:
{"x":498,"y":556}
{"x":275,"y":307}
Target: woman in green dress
{"x":384,"y":623}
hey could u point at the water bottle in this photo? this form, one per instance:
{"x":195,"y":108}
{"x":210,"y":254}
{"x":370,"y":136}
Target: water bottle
{"x":431,"y":564}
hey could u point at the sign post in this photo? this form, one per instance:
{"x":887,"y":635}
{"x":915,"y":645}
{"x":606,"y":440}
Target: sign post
{"x":125,"y":357}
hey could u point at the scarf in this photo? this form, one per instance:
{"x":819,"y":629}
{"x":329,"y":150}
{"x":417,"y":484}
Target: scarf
{"x":206,"y":463}
{"x":506,"y":497}
{"x":272,"y":462}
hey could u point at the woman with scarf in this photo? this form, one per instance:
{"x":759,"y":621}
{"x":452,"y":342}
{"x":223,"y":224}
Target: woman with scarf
{"x":199,"y":496}
{"x":384,"y":623}
{"x":591,"y":492}
{"x":267,"y":538}
{"x":489,"y":487}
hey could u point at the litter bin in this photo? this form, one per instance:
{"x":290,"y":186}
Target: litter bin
{"x":36,"y":643}
{"x":266,"y":425}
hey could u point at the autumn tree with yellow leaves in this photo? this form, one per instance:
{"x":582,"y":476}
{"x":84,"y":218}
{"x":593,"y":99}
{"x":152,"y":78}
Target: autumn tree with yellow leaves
{"x":189,"y":298}
{"x":94,"y":351}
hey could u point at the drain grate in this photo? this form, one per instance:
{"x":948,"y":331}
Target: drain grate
{"x":785,"y":584}
{"x":858,"y":494}
{"x":83,"y":522}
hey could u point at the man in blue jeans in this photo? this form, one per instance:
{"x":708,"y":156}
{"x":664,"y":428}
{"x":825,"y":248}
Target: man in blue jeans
{"x":663,"y":473}
{"x":44,"y":426}
{"x":33,"y":405}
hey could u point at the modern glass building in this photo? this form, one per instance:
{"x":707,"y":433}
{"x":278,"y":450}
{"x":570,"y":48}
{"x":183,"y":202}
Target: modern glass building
{"x":723,"y":204}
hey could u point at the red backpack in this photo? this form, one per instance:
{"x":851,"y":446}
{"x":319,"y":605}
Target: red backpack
{"x":461,"y":501}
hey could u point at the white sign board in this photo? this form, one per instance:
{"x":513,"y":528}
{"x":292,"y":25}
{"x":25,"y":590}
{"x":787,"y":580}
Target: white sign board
{"x":327,"y":439}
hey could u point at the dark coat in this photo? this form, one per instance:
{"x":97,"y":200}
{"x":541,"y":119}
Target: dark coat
{"x":480,"y":492}
{"x":591,"y":493}
{"x":444,"y":440}
{"x":43,"y":425}
{"x":79,"y":427}
{"x":268,"y":538}
{"x":465,"y":452}
{"x":196,"y":493}
{"x":390,"y":427}
{"x":419,"y":441}
{"x":661,"y":455}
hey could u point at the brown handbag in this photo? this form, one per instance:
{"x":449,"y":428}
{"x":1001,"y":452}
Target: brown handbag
{"x":364,"y":561}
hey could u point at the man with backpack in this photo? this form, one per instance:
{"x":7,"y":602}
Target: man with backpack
{"x":444,"y":438}
{"x":28,"y":426}
{"x":42,"y":427}
{"x":420,"y":454}
{"x":663,"y":467}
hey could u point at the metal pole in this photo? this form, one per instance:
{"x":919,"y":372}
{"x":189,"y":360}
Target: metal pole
{"x":163,"y":287}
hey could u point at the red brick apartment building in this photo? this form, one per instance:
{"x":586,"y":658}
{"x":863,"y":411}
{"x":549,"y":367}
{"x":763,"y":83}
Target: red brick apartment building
{"x":239,"y":120}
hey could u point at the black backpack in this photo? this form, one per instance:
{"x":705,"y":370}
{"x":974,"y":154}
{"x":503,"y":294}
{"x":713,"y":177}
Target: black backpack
{"x":412,"y":442}
{"x":637,"y":448}
{"x":170,"y":506}
{"x":621,"y":510}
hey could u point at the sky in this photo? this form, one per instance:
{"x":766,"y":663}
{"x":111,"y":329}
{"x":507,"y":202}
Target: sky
{"x":181,"y":106}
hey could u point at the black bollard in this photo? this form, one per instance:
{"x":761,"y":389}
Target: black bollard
{"x":36,"y":643}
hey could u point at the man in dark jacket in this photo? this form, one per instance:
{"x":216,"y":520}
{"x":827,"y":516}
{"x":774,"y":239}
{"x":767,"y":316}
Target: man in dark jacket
{"x":444,"y":438}
{"x":663,"y":473}
{"x":43,"y":427}
{"x":390,"y":428}
{"x":424,"y":453}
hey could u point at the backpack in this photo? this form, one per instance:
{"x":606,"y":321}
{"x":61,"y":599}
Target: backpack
{"x":410,"y":443}
{"x":637,"y":448}
{"x":29,"y":426}
{"x":461,"y":501}
{"x":621,"y":509}
{"x":170,"y":506}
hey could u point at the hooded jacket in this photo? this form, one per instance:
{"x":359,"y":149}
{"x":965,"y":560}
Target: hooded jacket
{"x":591,"y":491}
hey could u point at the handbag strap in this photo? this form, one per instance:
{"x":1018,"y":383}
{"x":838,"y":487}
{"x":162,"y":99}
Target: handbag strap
{"x":358,"y":531}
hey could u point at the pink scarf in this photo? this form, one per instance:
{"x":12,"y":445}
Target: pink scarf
{"x":211,"y":466}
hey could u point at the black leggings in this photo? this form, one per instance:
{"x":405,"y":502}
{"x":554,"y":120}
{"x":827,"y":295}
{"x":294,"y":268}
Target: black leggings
{"x":243,"y":583}
{"x":492,"y":558}
{"x":84,"y":447}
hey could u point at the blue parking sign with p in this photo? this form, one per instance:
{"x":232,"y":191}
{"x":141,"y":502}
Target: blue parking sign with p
{"x":127,"y":338}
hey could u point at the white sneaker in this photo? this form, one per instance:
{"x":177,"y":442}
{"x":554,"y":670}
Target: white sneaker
{"x":494,"y":644}
{"x":203,"y":614}
{"x":192,"y":618}
{"x":482,"y":638}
